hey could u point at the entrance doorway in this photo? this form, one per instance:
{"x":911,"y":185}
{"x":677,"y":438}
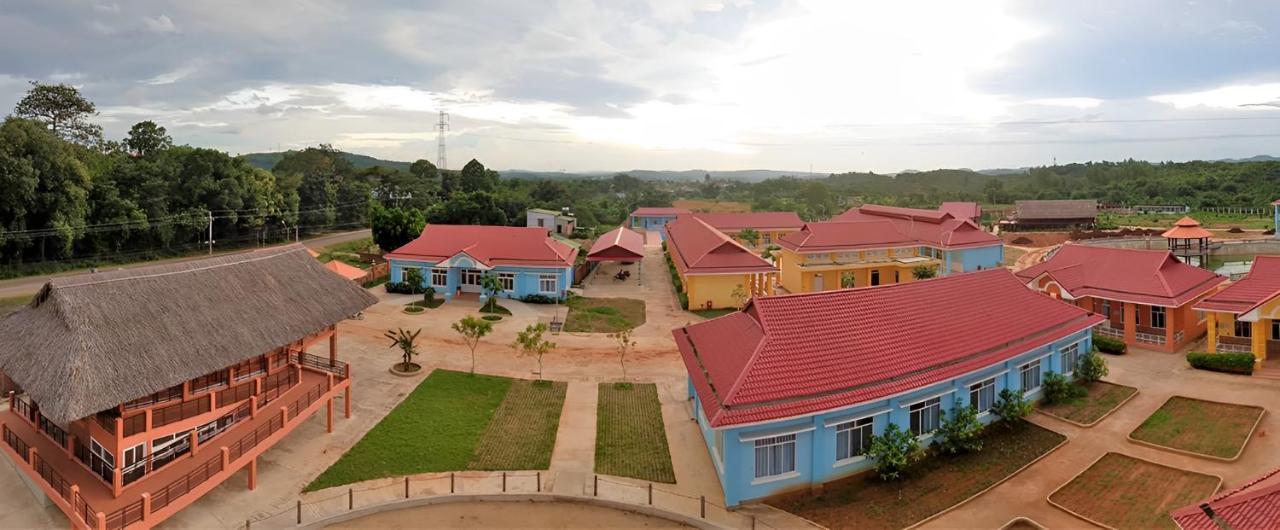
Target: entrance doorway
{"x":471,"y":279}
{"x":817,"y":283}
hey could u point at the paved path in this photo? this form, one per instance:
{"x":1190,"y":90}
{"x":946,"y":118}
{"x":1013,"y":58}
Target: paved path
{"x":573,"y":460}
{"x":30,"y":284}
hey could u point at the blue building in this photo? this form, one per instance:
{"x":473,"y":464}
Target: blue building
{"x":454,"y":259}
{"x":650,"y":219}
{"x":789,"y":391}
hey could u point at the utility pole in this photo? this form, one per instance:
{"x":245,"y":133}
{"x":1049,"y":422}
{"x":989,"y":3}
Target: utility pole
{"x":441,"y":126}
{"x":210,"y":212}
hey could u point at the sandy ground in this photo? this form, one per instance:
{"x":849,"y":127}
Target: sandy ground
{"x":508,"y":515}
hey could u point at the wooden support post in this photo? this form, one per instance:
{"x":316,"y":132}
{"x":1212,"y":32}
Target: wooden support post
{"x":253,"y":406}
{"x":253,"y":474}
{"x":329,"y":415}
{"x":539,"y":485}
{"x":595,"y":485}
{"x":504,"y":481}
{"x":704,"y":506}
{"x":299,"y":511}
{"x":406,"y":487}
{"x":13,"y":398}
{"x":117,"y":481}
{"x":451,"y":482}
{"x":195,"y":442}
{"x":346,"y":401}
{"x":351,"y":499}
{"x":650,"y":494}
{"x":146,"y":505}
{"x":333,"y":347}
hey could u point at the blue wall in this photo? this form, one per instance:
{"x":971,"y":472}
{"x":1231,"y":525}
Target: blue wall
{"x":980,"y":258}
{"x":815,"y":461}
{"x":649,"y":223}
{"x":1276,"y":212}
{"x":526,"y":278}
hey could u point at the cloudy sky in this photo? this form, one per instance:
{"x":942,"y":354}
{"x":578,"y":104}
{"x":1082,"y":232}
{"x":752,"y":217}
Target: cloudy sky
{"x":674,"y":84}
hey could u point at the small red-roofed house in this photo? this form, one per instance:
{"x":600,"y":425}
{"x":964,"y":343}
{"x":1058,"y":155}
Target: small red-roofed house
{"x":789,"y":391}
{"x":1245,"y":316}
{"x":715,"y":271}
{"x":1253,"y":506}
{"x":1147,"y":296}
{"x":455,"y":259}
{"x":650,"y":218}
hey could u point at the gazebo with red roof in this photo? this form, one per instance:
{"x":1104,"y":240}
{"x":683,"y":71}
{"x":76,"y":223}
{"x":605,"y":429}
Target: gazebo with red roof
{"x":789,"y":391}
{"x":621,"y":245}
{"x":1145,"y":295}
{"x":1189,"y":241}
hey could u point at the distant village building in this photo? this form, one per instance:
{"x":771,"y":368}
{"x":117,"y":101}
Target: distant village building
{"x":1162,"y":209}
{"x":561,"y":223}
{"x":963,"y":210}
{"x":650,"y":218}
{"x":714,"y":269}
{"x":454,"y":259}
{"x":768,"y":226}
{"x":1054,"y":215}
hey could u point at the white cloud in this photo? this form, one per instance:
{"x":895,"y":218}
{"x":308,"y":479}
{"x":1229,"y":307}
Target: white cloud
{"x":1260,"y":96}
{"x":1075,"y":103}
{"x":160,"y":24}
{"x":171,"y":77}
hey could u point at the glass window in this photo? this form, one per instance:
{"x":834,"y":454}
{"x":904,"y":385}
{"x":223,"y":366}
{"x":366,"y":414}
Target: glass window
{"x":875,"y":277}
{"x":1070,"y":358}
{"x":100,"y":452}
{"x":775,"y":455}
{"x":853,"y":438}
{"x":1157,"y":317}
{"x":720,"y":446}
{"x":895,"y":276}
{"x":547,"y":283}
{"x":768,"y":239}
{"x":982,"y":395}
{"x":1275,"y":330}
{"x":1106,"y":309}
{"x":507,"y":281}
{"x":1244,"y":329}
{"x":1030,"y":374}
{"x":439,"y":277}
{"x":925,"y":416}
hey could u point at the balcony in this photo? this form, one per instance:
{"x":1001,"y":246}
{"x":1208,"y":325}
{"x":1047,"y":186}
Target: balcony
{"x":176,"y":478}
{"x":816,"y":263}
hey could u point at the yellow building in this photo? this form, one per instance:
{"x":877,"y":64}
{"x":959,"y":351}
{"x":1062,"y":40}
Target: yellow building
{"x":878,"y":245}
{"x":715,"y":271}
{"x":1245,"y":316}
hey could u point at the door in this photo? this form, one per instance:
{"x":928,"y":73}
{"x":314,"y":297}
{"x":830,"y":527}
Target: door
{"x":471,"y":280}
{"x":817,"y":282}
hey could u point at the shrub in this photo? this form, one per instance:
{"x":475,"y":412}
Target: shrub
{"x":923,"y":272}
{"x":684,"y":300}
{"x":429,"y":296}
{"x":1233,"y":363}
{"x":1092,"y":368}
{"x":538,"y":299}
{"x":1109,"y":345}
{"x":404,"y":288}
{"x":1012,"y":406}
{"x":894,"y":451}
{"x":413,"y":277}
{"x":959,"y":432}
{"x":1057,"y":389}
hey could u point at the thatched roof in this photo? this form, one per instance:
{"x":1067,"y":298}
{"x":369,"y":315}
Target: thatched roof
{"x":1057,"y":209}
{"x":90,"y":342}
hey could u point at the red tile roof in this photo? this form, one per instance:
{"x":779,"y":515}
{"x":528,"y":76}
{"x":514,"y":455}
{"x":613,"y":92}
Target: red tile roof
{"x":697,"y":248}
{"x":793,"y":355}
{"x":1260,"y":286}
{"x":344,"y":270}
{"x":620,"y":243}
{"x":490,"y":245}
{"x":650,"y":211}
{"x":754,"y":220}
{"x":1153,"y":277}
{"x":875,"y":226}
{"x":1186,"y":228}
{"x":962,"y":210}
{"x":1253,"y":506}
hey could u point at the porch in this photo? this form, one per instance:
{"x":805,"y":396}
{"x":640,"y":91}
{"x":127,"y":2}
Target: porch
{"x":60,"y":465}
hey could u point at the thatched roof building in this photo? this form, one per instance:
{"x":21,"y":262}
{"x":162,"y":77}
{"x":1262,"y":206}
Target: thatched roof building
{"x":90,"y":342}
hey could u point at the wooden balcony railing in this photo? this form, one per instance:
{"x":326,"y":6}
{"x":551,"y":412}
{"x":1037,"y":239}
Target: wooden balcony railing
{"x":179,"y":411}
{"x":17,"y":444}
{"x":316,"y":362}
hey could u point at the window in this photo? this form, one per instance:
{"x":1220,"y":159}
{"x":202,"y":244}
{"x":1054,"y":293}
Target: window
{"x":540,"y":221}
{"x":1070,"y":358}
{"x":134,"y":456}
{"x":1157,"y":317}
{"x":1275,"y":330}
{"x":439,"y":277}
{"x":768,"y":239}
{"x":547,"y":283}
{"x":982,"y":395}
{"x":1244,"y":329}
{"x":507,"y":281}
{"x":720,"y":446}
{"x":875,"y":277}
{"x":102,"y":454}
{"x":895,"y":276}
{"x":775,"y":455}
{"x":853,"y":438}
{"x":925,"y":416}
{"x":1030,"y":373}
{"x":472,"y":277}
{"x":1106,"y":309}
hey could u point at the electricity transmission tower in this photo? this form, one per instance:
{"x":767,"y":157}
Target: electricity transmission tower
{"x":441,"y":127}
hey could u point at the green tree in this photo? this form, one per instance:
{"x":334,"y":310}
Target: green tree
{"x":1092,"y":367}
{"x":327,"y":180}
{"x":624,"y":344}
{"x":474,"y":177}
{"x":472,"y":330}
{"x":740,"y":296}
{"x":749,"y":236}
{"x":532,"y":343}
{"x":145,"y":138}
{"x":407,"y":342}
{"x":394,"y":228}
{"x":1012,"y":406}
{"x":961,"y":431}
{"x":1059,"y":389}
{"x":478,"y":208}
{"x":59,"y":203}
{"x":491,"y":286}
{"x":413,"y":277}
{"x":63,"y":110}
{"x":894,"y":451}
{"x":923,"y":272}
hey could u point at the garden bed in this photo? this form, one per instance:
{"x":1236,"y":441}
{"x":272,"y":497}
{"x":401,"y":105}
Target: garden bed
{"x":631,"y":439}
{"x":1203,"y":428}
{"x":435,"y":302}
{"x":1123,"y":492}
{"x":522,"y":433}
{"x":492,"y":307}
{"x":1103,"y":399}
{"x":713,"y":313}
{"x":603,"y":315}
{"x":932,"y":486}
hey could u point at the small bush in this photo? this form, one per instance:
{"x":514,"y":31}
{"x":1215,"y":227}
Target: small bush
{"x":429,"y":296}
{"x":538,"y":299}
{"x":404,"y":288}
{"x":1057,"y":389}
{"x":684,"y":300}
{"x":491,"y":318}
{"x":1234,"y":363}
{"x":1092,"y":368}
{"x":1109,"y":345}
{"x":1012,"y":406}
{"x":960,"y":431}
{"x":894,"y":451}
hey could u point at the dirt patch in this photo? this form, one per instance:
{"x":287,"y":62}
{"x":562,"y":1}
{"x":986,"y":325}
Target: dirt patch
{"x":1218,"y":430}
{"x":1103,"y":398}
{"x":934,"y":485}
{"x":1035,"y":239}
{"x":1125,"y":492}
{"x":699,"y":205}
{"x":507,"y":515}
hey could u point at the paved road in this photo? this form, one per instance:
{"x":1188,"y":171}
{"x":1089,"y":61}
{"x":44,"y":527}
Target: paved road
{"x":31,"y":284}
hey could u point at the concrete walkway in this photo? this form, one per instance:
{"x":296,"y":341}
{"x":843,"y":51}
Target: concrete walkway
{"x":573,"y":459}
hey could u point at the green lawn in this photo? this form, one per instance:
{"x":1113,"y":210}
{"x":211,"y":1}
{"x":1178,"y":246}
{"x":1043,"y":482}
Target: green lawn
{"x":603,"y":315}
{"x":436,"y":428}
{"x":631,"y":440}
{"x":347,"y":252}
{"x":1206,"y":219}
{"x":1204,"y":427}
{"x":712,"y":313}
{"x":529,"y":417}
{"x":493,"y":307}
{"x":1103,"y":398}
{"x":9,"y":305}
{"x":1124,"y":492}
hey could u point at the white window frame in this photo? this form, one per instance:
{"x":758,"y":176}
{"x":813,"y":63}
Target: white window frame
{"x":1022,"y":376}
{"x":545,"y":277}
{"x":719,"y":447}
{"x":507,"y":281}
{"x":442,"y":274}
{"x":975,"y":395}
{"x":849,"y":428}
{"x":134,"y":457}
{"x":1073,"y":350}
{"x":920,"y":407}
{"x":786,"y":467}
{"x":1162,"y":314}
{"x":108,"y":459}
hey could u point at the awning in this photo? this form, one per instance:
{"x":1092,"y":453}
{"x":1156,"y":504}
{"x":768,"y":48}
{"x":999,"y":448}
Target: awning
{"x":619,"y":244}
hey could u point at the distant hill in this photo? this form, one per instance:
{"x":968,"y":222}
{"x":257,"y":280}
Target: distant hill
{"x":747,"y":175}
{"x":1256,"y":158}
{"x":269,"y":160}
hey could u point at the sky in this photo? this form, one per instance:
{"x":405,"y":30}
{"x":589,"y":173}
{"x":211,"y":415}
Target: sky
{"x":582,"y":85}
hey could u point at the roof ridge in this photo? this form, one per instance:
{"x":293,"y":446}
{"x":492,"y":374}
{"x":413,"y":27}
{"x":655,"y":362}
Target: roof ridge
{"x":264,"y":256}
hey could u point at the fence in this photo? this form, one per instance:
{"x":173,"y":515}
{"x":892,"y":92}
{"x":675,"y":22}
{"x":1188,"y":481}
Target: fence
{"x":377,"y":492}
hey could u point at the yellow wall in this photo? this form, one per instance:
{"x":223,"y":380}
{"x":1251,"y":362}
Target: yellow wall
{"x":1260,"y":330}
{"x":718,"y":289}
{"x":796,"y":280}
{"x":774,"y":236}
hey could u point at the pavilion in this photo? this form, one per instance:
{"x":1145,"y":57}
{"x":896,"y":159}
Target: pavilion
{"x":621,"y":245}
{"x":1189,"y":242}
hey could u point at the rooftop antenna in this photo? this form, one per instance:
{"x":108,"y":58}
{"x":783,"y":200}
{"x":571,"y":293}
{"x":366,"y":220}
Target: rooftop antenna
{"x":441,"y":127}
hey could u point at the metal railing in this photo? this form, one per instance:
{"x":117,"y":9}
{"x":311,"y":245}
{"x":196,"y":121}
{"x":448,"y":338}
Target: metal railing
{"x":125,"y":516}
{"x":180,"y":411}
{"x":184,"y":484}
{"x":1108,"y":331}
{"x":24,"y":409}
{"x":51,"y":476}
{"x":1149,"y":338}
{"x":54,"y":432}
{"x":18,"y":445}
{"x":1228,"y":347}
{"x":334,"y":367}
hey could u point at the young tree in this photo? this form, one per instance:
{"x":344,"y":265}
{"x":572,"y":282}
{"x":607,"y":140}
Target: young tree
{"x":531,"y":343}
{"x":490,"y":284}
{"x":894,"y":451}
{"x":407,"y":342}
{"x":145,"y":138}
{"x":472,"y":330}
{"x":625,"y":344}
{"x":1011,"y":407}
{"x":740,"y":295}
{"x":63,"y":110}
{"x":959,"y":431}
{"x":1092,"y":368}
{"x":749,"y":236}
{"x":413,"y":277}
{"x":1058,"y":389}
{"x":923,"y":272}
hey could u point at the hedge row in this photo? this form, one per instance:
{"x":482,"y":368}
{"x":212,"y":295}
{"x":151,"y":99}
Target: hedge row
{"x":1109,"y":345}
{"x":1234,"y":363}
{"x":405,"y":288}
{"x":675,"y":280}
